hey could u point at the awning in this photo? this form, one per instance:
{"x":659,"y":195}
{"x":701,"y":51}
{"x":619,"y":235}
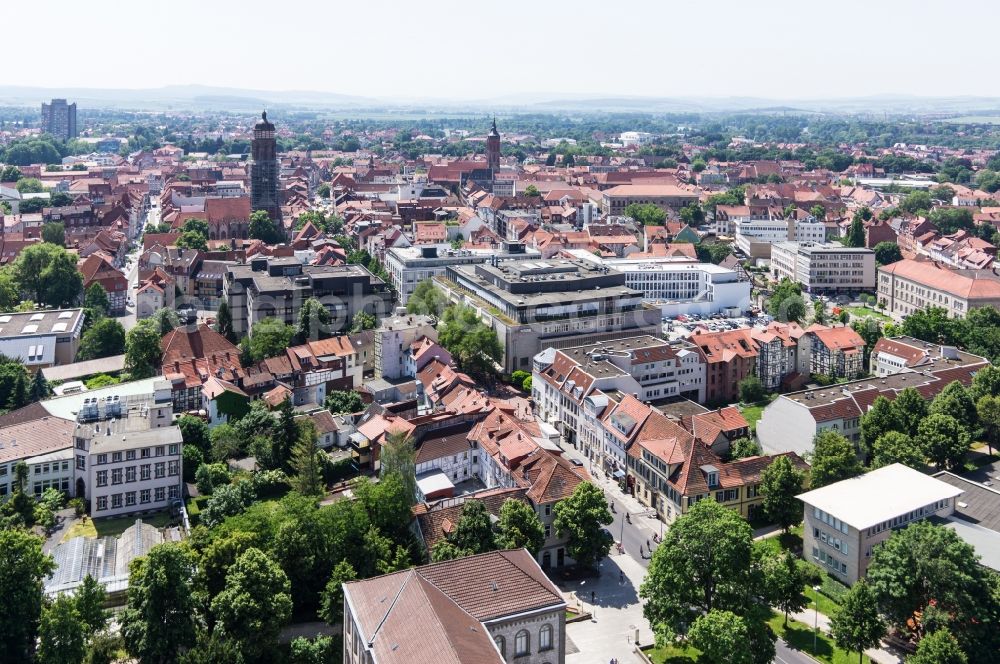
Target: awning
{"x":619,"y":474}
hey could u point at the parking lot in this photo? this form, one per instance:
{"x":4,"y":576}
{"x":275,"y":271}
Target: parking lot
{"x":682,"y":326}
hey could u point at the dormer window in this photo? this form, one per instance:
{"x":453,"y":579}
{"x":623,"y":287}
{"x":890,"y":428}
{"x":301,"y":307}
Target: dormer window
{"x":711,"y":475}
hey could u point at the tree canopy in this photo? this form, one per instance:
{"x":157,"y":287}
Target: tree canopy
{"x":270,"y":337}
{"x":579,"y":518}
{"x":834,"y":459}
{"x":474,"y":345}
{"x":48,"y":274}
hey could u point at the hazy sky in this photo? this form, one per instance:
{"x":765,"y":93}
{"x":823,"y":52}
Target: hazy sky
{"x":484,"y":50}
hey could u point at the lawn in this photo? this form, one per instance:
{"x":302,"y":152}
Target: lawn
{"x":87,"y":527}
{"x":673,"y":655}
{"x":751,"y":413}
{"x":800,"y":636}
{"x":861,"y":312}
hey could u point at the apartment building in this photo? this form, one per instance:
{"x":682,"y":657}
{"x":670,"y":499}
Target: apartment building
{"x":393,"y":340}
{"x":910,"y":285}
{"x":784,"y":352}
{"x":791,"y":422}
{"x":836,"y":351}
{"x":276,"y":287}
{"x":729,"y":356}
{"x":568,"y":383}
{"x":824,"y":268}
{"x":535,"y":304}
{"x":846,"y":520}
{"x":45,"y":446}
{"x":408,"y":266}
{"x":492,"y":607}
{"x":899,"y":354}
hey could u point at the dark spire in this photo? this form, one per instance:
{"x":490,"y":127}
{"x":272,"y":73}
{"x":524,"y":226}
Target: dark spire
{"x":263,"y":116}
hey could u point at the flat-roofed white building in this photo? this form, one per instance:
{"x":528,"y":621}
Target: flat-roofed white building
{"x":822,"y":268}
{"x":41,"y":338}
{"x":845,"y":520}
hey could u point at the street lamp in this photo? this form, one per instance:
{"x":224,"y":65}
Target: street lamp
{"x":816,"y":617}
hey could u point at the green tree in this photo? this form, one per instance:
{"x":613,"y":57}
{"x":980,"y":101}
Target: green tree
{"x":909,"y":409}
{"x":194,"y":431}
{"x":96,"y":299}
{"x":944,"y":440}
{"x":165,"y":320}
{"x":856,"y":233}
{"x":427,"y":299}
{"x":474,"y":345}
{"x":887,"y":253}
{"x":332,"y":601}
{"x":785,"y":579}
{"x":819,"y":312}
{"x":160,"y":620}
{"x":916,"y":201}
{"x":834,"y":459}
{"x":363,"y":321}
{"x":474,"y":531}
{"x":579,"y":518}
{"x":722,"y":637}
{"x":938,"y":647}
{"x":857,"y":625}
{"x":988,"y":413}
{"x":926,"y":564}
{"x":752,"y":390}
{"x":742,"y":448}
{"x":954,"y":400}
{"x":444,"y":550}
{"x":105,"y":338}
{"x":255,"y":604}
{"x":48,"y":274}
{"x":703,"y":564}
{"x":54,"y":232}
{"x":24,"y":568}
{"x":90,"y":598}
{"x":339,"y":402}
{"x":39,"y":387}
{"x":10,"y":174}
{"x":313,"y":323}
{"x":519,"y":527}
{"x":531,"y":191}
{"x":985,"y":382}
{"x":397,"y":455}
{"x":930,"y":324}
{"x":103,"y":648}
{"x":263,"y":229}
{"x":307,"y":463}
{"x":786,"y":303}
{"x":29,"y":186}
{"x":895,"y":447}
{"x":224,"y":321}
{"x":780,"y":483}
{"x":318,"y":650}
{"x":192,"y":240}
{"x":10,"y":290}
{"x":646,"y":214}
{"x":275,"y":451}
{"x":142,"y":349}
{"x":323,"y":190}
{"x":61,"y":633}
{"x":269,"y":337}
{"x":879,"y":420}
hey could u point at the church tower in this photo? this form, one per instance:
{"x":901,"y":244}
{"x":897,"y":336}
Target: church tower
{"x":493,"y":148}
{"x":264,"y":170}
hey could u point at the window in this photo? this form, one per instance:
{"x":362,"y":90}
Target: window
{"x":130,"y":455}
{"x":501,"y":645}
{"x":521,"y":642}
{"x":116,"y":501}
{"x":545,"y":637}
{"x":548,"y":510}
{"x":130,"y":498}
{"x":102,"y":478}
{"x":548,"y":530}
{"x":144,"y":471}
{"x":116,"y":457}
{"x":102,"y":458}
{"x":144,"y":453}
{"x":144,"y":496}
{"x":173,"y":468}
{"x":160,"y":494}
{"x":161,"y":470}
{"x":160,"y":450}
{"x":102,"y":503}
{"x":116,"y":475}
{"x":130,"y":474}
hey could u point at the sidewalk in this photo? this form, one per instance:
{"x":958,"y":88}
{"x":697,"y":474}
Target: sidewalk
{"x":812,"y":617}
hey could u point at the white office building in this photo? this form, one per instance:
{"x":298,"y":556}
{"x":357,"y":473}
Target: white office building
{"x":824,"y":267}
{"x":680,"y":285}
{"x":766,"y":232}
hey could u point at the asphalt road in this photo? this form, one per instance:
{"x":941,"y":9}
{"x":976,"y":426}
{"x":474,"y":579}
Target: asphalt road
{"x":785,"y":654}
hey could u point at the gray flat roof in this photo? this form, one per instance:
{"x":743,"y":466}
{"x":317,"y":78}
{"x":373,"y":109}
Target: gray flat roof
{"x":979,"y":504}
{"x":85,"y":368}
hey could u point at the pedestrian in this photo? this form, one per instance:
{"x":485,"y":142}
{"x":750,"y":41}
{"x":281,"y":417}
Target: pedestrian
{"x":621,"y":576}
{"x":593,"y":597}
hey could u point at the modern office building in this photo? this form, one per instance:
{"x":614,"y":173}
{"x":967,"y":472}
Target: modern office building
{"x":41,"y":338}
{"x":555,"y":303}
{"x":754,"y":237}
{"x":408,"y":266}
{"x":276,"y":287}
{"x":59,"y":119}
{"x":824,"y":268}
{"x":844,"y":521}
{"x":679,"y":285}
{"x":910,"y":285}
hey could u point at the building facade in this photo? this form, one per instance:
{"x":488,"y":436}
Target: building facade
{"x":909,"y":285}
{"x":824,"y":268}
{"x":264,"y":170}
{"x":59,"y":119}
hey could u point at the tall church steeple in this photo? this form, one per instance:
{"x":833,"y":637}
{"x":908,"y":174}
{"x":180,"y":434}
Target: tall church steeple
{"x":493,"y":147}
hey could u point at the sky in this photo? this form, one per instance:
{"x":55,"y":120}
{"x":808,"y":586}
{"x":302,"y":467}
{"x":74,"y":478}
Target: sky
{"x":514,"y":49}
